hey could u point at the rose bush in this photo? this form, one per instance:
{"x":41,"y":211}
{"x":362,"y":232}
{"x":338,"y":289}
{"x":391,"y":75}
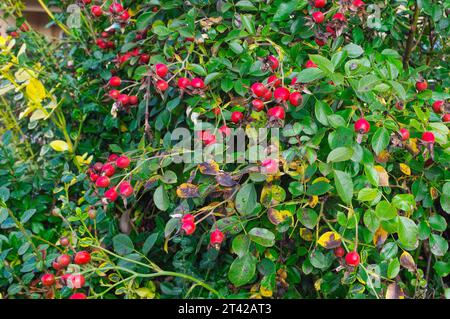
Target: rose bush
{"x":351,"y":200}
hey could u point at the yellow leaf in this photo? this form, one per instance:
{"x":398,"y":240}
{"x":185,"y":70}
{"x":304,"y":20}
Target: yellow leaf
{"x":312,"y":202}
{"x":265,"y":291}
{"x":405,"y":169}
{"x":383,"y":177}
{"x":35,"y":90}
{"x":394,"y":291}
{"x":321,"y":179}
{"x":145,"y":293}
{"x":407,"y":261}
{"x":306,"y":234}
{"x":37,"y":115}
{"x":6,"y":89}
{"x":59,"y":146}
{"x":380,"y":237}
{"x":318,"y":284}
{"x":187,"y":190}
{"x":23,"y":75}
{"x":276,"y":217}
{"x":330,"y":240}
{"x":434,"y":193}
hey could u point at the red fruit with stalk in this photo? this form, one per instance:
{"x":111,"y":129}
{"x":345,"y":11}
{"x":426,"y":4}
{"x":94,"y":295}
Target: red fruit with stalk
{"x":437,"y":106}
{"x":122,"y":161}
{"x":273,"y":62}
{"x":318,"y":17}
{"x":295,"y":98}
{"x":125,"y":189}
{"x":352,"y":258}
{"x":162,"y":85}
{"x":197,"y":83}
{"x":108,"y":169}
{"x":428,"y":137}
{"x":82,"y":257}
{"x":161,"y":69}
{"x":421,"y":85}
{"x":404,"y":133}
{"x":281,"y":94}
{"x":258,"y":105}
{"x":183,"y":83}
{"x":188,"y":227}
{"x":362,"y":126}
{"x":339,"y":252}
{"x":320,"y":3}
{"x":216,"y":238}
{"x":276,"y":112}
{"x":48,"y":280}
{"x":236,"y":117}
{"x":258,"y":89}
{"x":111,"y":194}
{"x":96,"y":11}
{"x":115,"y":81}
{"x":102,"y":182}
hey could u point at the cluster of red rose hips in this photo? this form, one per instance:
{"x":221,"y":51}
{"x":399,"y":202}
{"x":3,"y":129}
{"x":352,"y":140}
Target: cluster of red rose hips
{"x":362,"y":126}
{"x":439,"y":106}
{"x":101,"y":173}
{"x":188,"y":226}
{"x":351,"y":258}
{"x":15,"y":34}
{"x":272,"y":91}
{"x":116,"y":11}
{"x":73,"y":281}
{"x":338,"y":21}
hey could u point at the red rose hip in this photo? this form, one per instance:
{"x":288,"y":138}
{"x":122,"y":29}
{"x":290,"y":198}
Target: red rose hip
{"x":82,"y":257}
{"x":362,"y":126}
{"x":352,"y":259}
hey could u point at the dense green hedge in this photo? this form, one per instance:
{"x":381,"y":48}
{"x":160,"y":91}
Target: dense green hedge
{"x":355,"y":206}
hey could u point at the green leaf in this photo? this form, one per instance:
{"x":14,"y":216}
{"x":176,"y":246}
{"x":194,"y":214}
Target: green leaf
{"x":353,"y":50}
{"x":310,"y":75}
{"x":437,"y":222}
{"x":318,"y":189}
{"x":149,"y":243}
{"x":380,"y":140}
{"x":161,"y":198}
{"x":344,"y":186}
{"x":367,"y":194}
{"x":143,"y":21}
{"x":27,"y":215}
{"x":408,"y":233}
{"x":241,"y":245}
{"x":3,"y":214}
{"x":248,"y":23}
{"x":246,"y":199}
{"x":322,"y":110}
{"x":211,"y":77}
{"x":405,"y":202}
{"x":242,"y":270}
{"x":308,"y":217}
{"x":122,"y":244}
{"x":323,"y":63}
{"x":286,"y":8}
{"x":197,"y":68}
{"x":262,"y":236}
{"x":385,"y":211}
{"x":445,"y":197}
{"x":161,"y":31}
{"x":393,"y":268}
{"x":4,"y":193}
{"x":438,"y":245}
{"x":340,"y":154}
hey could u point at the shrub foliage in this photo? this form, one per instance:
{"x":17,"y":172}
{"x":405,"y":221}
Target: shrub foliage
{"x":355,"y":205}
